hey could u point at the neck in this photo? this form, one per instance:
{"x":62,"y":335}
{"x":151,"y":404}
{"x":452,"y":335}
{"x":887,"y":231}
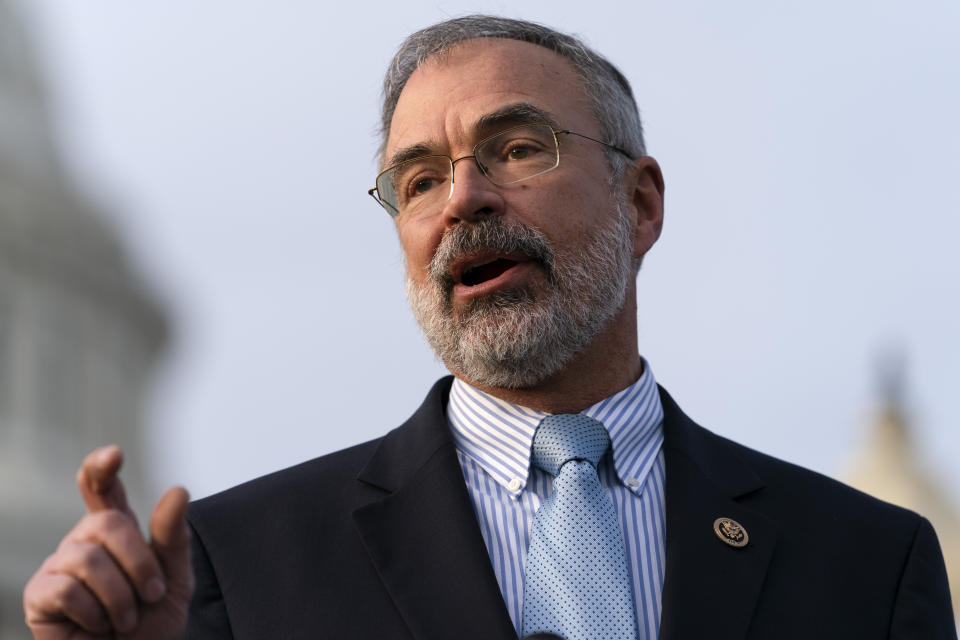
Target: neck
{"x":608,"y":364}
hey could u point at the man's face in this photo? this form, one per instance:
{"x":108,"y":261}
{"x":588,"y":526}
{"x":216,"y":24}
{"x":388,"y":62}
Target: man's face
{"x":509,"y":282}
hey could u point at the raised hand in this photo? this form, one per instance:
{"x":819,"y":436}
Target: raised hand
{"x":105,"y":579}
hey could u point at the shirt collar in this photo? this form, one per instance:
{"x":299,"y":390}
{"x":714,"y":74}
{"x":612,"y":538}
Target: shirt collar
{"x":498,"y":435}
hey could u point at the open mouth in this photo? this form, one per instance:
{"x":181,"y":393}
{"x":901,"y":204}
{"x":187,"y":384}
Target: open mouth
{"x":481,"y":273}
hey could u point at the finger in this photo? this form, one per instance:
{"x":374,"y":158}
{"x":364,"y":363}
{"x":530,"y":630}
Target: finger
{"x":90,"y":564}
{"x":99,"y":484}
{"x":170,"y":536}
{"x":52,"y":598}
{"x":121,"y":538}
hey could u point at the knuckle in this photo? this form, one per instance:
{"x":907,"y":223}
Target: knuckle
{"x":118,"y":600}
{"x":65,"y":593}
{"x":47,"y":563}
{"x":54,"y":593}
{"x":113,"y":521}
{"x":33,"y":594}
{"x":77,"y":604}
{"x":143,"y":566}
{"x":101,"y":526}
{"x":91,"y":559}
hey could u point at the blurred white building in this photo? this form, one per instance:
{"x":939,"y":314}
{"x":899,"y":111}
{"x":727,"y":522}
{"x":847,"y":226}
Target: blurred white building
{"x":888,"y":466}
{"x":78,"y":335}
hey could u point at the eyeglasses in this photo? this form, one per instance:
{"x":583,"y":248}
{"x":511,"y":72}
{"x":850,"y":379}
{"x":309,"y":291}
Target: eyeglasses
{"x":511,"y":156}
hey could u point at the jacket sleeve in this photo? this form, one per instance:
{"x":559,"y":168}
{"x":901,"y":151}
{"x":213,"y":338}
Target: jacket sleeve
{"x":207,"y":618}
{"x":923,"y":608}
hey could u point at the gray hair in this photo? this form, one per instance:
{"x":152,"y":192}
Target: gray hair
{"x":608,"y":89}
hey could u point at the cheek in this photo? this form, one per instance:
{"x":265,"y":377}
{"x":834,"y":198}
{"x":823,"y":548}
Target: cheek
{"x":576,"y":211}
{"x":419,"y":242}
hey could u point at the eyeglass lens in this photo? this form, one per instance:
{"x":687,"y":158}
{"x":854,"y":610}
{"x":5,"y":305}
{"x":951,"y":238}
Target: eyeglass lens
{"x":510,"y":156}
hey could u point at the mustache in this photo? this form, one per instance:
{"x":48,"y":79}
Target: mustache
{"x":490,"y":234}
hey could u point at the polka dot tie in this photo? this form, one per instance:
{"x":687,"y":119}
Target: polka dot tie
{"x":576,"y":584}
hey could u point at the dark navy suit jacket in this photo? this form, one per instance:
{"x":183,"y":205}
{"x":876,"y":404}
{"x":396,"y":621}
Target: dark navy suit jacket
{"x":380,"y":541}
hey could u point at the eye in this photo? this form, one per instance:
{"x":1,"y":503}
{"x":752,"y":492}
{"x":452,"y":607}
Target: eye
{"x":422,"y":186}
{"x":418,"y":179}
{"x":520,"y":152}
{"x":520,"y":149}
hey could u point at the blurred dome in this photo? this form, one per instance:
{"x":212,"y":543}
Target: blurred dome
{"x":79,"y":334}
{"x":46,"y":225}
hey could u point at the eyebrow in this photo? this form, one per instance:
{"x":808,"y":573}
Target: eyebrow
{"x":512,"y":115}
{"x":409,"y":153}
{"x":486,"y":125}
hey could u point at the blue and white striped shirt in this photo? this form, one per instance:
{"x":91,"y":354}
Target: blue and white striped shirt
{"x":494,"y":439}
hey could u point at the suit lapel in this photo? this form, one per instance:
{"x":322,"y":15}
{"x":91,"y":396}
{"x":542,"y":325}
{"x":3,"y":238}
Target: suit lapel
{"x":423,"y":537}
{"x":710,"y":588}
{"x":424,"y":541}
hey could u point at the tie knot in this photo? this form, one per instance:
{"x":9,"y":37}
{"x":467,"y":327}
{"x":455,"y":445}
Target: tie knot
{"x":564,"y":437}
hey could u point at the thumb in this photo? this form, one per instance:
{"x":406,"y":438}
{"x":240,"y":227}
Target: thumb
{"x":170,"y":537}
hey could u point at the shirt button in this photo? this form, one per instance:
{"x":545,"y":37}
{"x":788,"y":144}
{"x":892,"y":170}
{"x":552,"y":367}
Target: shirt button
{"x":515,"y":484}
{"x":633,"y":482}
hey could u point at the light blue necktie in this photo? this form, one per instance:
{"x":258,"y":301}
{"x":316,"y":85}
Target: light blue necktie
{"x":576,"y":583}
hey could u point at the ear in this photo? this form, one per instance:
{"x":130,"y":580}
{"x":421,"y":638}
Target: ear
{"x":644,"y":191}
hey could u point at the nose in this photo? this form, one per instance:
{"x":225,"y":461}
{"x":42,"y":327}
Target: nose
{"x":474,"y":196}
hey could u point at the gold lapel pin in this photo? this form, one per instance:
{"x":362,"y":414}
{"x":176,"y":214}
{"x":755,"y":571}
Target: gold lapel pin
{"x":731,"y":532}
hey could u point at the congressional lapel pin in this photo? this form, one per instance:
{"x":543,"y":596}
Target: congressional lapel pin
{"x":731,"y":532}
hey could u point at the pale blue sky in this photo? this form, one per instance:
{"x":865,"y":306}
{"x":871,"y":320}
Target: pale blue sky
{"x":810,"y":155}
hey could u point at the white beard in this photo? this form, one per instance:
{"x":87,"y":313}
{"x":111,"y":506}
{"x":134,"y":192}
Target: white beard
{"x":517,"y":338}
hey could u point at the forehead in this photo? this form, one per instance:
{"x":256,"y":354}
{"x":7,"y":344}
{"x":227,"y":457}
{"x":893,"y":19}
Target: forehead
{"x":446,"y":96}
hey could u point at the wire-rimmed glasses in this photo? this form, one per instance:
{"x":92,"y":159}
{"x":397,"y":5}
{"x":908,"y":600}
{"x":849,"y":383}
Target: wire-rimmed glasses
{"x":513,"y":155}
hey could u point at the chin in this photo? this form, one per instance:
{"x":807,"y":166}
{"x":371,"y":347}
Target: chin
{"x":513,"y":346}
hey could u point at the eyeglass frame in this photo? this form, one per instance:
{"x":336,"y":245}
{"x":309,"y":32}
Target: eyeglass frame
{"x":390,"y":209}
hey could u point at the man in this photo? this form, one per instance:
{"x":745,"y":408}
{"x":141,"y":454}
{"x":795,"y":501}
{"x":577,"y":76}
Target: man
{"x":514,"y":167}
